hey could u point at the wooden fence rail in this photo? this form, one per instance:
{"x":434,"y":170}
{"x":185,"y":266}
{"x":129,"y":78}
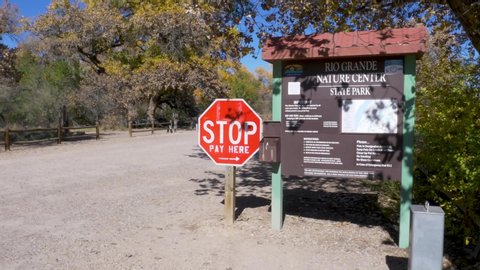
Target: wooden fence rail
{"x":148,"y":127}
{"x":7,"y":139}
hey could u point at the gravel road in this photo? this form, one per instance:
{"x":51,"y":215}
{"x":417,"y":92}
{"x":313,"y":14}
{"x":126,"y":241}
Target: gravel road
{"x":156,"y":202}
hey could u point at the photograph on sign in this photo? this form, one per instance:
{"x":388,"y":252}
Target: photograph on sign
{"x":375,"y":116}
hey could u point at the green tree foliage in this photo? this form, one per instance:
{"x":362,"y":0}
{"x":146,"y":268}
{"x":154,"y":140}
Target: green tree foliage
{"x":448,"y":138}
{"x":243,"y":84}
{"x":251,"y":87}
{"x":42,"y":90}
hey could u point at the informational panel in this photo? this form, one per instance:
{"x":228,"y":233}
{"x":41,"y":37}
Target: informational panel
{"x":343,"y":119}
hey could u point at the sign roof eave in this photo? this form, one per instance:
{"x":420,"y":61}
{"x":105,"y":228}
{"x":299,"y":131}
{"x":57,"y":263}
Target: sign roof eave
{"x":387,"y":42}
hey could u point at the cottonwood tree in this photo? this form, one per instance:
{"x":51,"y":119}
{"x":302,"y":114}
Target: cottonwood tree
{"x":160,"y":52}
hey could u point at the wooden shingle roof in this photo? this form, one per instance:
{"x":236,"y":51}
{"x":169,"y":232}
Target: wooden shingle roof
{"x":401,"y":41}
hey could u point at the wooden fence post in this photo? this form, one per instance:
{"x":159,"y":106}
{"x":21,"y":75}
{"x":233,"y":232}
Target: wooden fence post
{"x":130,"y":128}
{"x":7,"y":139}
{"x":153,"y":126}
{"x":97,"y":131}
{"x":59,"y":134}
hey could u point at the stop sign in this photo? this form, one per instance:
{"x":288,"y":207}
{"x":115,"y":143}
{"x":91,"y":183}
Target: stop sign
{"x":229,"y":132}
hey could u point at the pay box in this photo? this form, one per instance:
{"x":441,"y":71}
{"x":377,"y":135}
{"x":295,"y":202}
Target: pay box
{"x":426,"y":237}
{"x":270,"y":144}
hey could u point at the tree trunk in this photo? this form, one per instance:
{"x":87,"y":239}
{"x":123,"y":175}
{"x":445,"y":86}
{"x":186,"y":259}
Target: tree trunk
{"x":131,"y":114}
{"x":151,"y":112}
{"x":151,"y":109}
{"x":467,"y":13}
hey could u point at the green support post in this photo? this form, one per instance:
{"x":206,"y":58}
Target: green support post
{"x":407,"y":161}
{"x":277,"y":181}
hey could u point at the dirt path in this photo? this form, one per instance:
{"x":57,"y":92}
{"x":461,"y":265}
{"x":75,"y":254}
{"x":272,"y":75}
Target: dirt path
{"x":155,"y":202}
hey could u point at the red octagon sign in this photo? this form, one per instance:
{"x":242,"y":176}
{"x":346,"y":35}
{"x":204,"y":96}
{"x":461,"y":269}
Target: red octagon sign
{"x":229,"y":132}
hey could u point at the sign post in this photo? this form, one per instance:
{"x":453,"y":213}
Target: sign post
{"x":277,"y":180}
{"x":230,"y":195}
{"x":406,"y":189}
{"x":229,"y":133}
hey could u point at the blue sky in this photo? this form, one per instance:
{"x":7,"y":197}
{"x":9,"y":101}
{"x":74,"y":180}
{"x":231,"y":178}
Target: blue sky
{"x":32,"y":8}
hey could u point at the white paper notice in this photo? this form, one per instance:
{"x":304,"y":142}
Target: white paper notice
{"x":294,"y":88}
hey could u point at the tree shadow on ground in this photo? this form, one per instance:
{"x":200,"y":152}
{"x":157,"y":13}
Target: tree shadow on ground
{"x":356,"y":208}
{"x":250,"y":201}
{"x":396,"y":263}
{"x":198,"y":153}
{"x":341,"y":200}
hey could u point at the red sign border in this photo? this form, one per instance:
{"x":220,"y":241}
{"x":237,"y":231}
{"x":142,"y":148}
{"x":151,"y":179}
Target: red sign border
{"x":260,"y":130}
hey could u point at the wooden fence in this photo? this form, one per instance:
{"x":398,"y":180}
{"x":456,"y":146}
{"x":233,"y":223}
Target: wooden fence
{"x":149,"y":127}
{"x":7,"y":138}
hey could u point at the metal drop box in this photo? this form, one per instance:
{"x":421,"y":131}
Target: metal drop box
{"x":271,"y":129}
{"x":426,"y":237}
{"x":269,"y":150}
{"x":270,"y":144}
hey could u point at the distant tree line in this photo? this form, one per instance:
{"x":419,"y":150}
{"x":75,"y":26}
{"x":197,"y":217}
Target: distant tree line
{"x":117,"y":61}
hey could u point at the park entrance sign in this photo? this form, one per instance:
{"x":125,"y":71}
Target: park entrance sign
{"x":343,"y":118}
{"x":229,"y":132}
{"x":345,"y":106}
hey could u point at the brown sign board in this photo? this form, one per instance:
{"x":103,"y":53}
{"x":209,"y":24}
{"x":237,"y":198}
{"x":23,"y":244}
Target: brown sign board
{"x":342,"y":118}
